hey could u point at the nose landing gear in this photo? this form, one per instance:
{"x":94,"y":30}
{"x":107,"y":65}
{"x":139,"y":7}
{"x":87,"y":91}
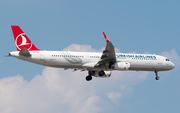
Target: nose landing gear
{"x":157,"y":77}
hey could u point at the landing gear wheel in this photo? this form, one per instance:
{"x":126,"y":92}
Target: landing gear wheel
{"x":89,"y":77}
{"x":101,"y":73}
{"x":157,"y":78}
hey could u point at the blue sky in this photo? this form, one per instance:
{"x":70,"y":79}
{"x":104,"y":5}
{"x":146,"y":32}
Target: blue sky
{"x":132,"y":26}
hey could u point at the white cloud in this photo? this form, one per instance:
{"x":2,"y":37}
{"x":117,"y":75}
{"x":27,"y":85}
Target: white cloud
{"x":77,"y":47}
{"x":89,"y":105}
{"x":53,"y":91}
{"x":114,"y":96}
{"x":57,"y":90}
{"x":173,"y":56}
{"x":84,"y":48}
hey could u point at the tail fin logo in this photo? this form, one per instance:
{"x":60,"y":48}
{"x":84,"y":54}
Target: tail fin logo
{"x":23,"y":42}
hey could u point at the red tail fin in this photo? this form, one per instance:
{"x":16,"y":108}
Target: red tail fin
{"x":21,"y":40}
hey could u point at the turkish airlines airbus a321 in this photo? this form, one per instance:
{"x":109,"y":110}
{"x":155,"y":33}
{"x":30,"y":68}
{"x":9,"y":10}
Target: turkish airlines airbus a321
{"x":97,"y":64}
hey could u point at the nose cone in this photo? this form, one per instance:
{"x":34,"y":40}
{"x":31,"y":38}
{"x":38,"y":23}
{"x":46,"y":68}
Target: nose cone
{"x":172,"y":65}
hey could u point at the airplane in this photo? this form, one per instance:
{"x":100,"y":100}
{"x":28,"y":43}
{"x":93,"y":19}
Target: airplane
{"x":97,"y":64}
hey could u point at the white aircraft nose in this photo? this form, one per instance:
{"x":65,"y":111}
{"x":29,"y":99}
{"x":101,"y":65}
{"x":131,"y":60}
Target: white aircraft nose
{"x":172,"y":65}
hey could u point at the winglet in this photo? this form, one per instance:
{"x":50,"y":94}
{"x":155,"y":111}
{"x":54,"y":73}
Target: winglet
{"x":107,"y":40}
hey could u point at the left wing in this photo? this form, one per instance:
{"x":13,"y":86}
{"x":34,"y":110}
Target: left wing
{"x":108,"y":56}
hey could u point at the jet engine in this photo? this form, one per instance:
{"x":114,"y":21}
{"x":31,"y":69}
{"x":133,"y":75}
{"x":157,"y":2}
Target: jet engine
{"x":102,"y":74}
{"x":121,"y":66}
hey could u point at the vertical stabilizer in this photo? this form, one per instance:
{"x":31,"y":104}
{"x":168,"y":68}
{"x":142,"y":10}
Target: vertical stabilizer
{"x":21,"y":40}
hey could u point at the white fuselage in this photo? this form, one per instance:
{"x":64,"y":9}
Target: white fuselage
{"x":87,"y":60}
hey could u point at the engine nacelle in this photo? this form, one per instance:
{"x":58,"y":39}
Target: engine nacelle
{"x":121,"y":66}
{"x":106,"y":75}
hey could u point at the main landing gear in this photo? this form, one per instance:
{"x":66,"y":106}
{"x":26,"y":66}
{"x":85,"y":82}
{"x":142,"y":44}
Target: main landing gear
{"x":101,"y":73}
{"x":157,"y":77}
{"x":89,"y":77}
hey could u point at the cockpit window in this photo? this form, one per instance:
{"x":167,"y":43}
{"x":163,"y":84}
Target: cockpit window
{"x":167,"y":59}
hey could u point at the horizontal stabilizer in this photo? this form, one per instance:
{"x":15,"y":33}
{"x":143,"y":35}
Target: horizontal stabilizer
{"x":7,"y":56}
{"x":24,"y":52}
